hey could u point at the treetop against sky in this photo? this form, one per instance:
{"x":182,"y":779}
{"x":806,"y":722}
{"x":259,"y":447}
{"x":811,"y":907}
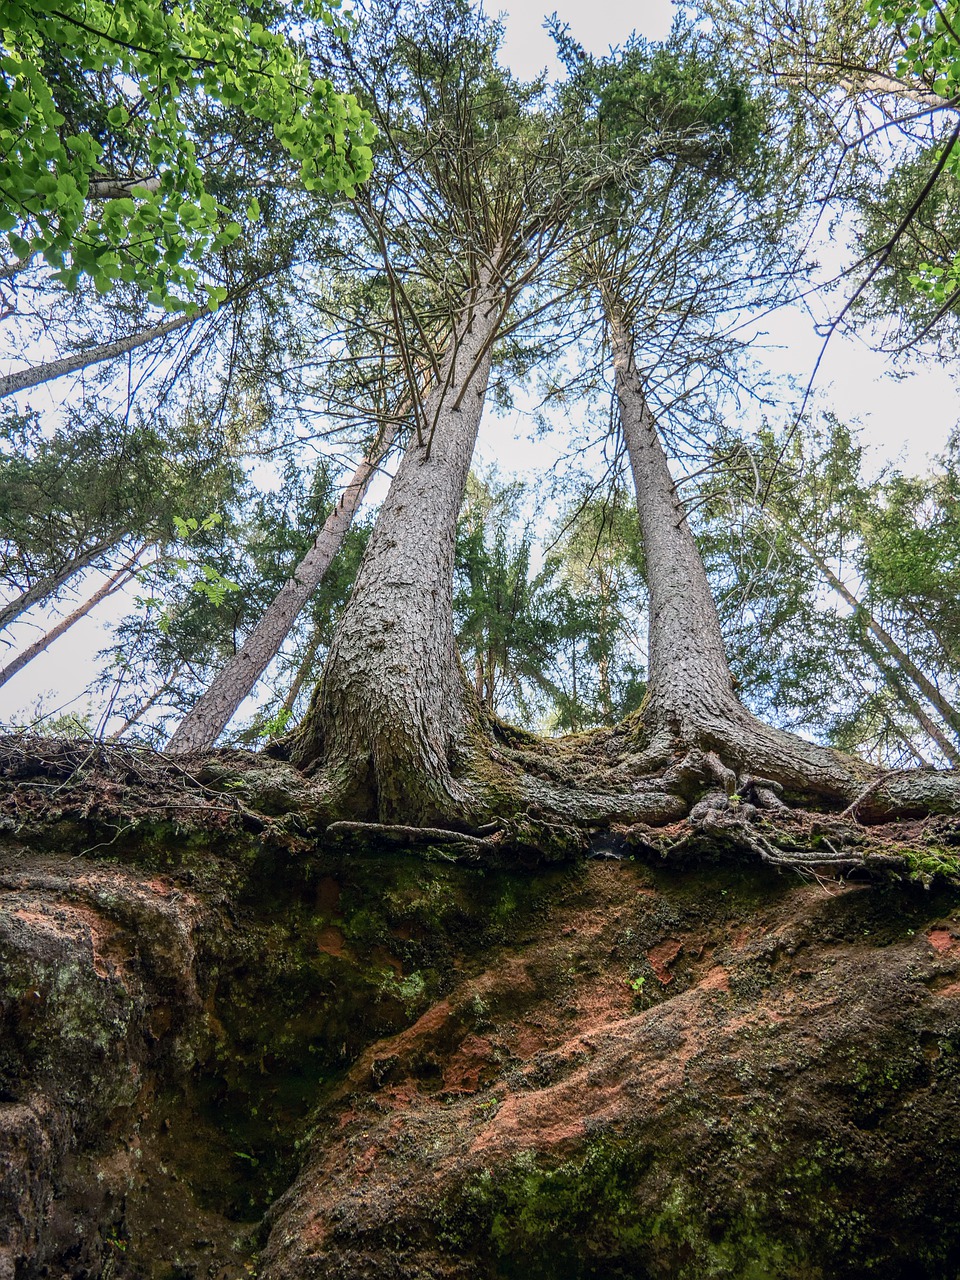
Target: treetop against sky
{"x":852,"y":376}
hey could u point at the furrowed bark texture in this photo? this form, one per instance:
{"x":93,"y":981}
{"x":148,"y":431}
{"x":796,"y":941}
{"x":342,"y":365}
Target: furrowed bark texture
{"x":201,"y":727}
{"x":393,"y":718}
{"x":690,"y":698}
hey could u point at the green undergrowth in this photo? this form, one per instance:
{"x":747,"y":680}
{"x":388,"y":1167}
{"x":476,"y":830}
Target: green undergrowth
{"x":651,"y":1210}
{"x":611,"y":1213}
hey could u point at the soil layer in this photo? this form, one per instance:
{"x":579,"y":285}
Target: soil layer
{"x":233,"y":1046}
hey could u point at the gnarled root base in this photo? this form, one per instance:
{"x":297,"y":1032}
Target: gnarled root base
{"x":627,"y":789}
{"x":605,"y":793}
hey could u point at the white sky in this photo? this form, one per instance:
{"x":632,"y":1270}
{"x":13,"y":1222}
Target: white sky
{"x":906,"y":420}
{"x":597,"y":26}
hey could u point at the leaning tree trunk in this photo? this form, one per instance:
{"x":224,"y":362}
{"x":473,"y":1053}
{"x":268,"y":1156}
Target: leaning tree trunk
{"x":38,"y":374}
{"x":44,"y":588}
{"x":146,"y":705}
{"x":205,"y":721}
{"x":903,"y":662}
{"x":112,"y":584}
{"x":905,"y":696}
{"x":394,"y":724}
{"x":303,"y":672}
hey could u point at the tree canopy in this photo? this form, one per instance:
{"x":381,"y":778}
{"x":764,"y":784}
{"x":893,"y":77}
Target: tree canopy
{"x":105,"y":155}
{"x":605,"y":243}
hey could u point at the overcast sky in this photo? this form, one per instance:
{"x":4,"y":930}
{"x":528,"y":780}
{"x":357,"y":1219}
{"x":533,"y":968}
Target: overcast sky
{"x":596,"y":24}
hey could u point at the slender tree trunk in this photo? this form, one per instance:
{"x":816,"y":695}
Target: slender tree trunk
{"x":907,"y":699}
{"x":394,"y":720}
{"x":204,"y":723}
{"x":883,"y":637}
{"x":303,"y":671}
{"x":46,"y":587}
{"x":38,"y":374}
{"x":573,"y":688}
{"x":112,"y":584}
{"x":603,"y":662}
{"x":144,"y":706}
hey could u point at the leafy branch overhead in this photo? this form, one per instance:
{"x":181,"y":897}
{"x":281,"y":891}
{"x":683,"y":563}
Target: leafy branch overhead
{"x":929,"y":32}
{"x":100,"y":170}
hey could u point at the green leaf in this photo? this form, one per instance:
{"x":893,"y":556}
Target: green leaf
{"x":191,"y":48}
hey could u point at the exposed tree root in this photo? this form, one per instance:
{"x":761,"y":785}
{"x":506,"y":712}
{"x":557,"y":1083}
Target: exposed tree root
{"x":548,"y":801}
{"x":455,"y":846}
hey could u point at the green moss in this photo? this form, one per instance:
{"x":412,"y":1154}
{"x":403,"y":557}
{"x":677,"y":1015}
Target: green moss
{"x":926,"y":865}
{"x":611,"y":1214}
{"x":288,"y":1017}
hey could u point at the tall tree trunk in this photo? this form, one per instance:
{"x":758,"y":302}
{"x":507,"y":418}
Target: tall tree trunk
{"x":603,"y":661}
{"x":112,"y":584}
{"x":689,"y":681}
{"x":46,"y":587}
{"x":38,"y":374}
{"x":394,"y":720}
{"x":690,"y":699}
{"x":204,"y":723}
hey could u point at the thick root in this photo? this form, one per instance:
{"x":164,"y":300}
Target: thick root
{"x":531,"y":801}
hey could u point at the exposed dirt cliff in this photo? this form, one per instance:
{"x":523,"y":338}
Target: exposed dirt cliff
{"x":231,"y":1048}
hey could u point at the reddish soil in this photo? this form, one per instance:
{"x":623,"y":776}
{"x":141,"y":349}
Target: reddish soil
{"x":615,"y":1070}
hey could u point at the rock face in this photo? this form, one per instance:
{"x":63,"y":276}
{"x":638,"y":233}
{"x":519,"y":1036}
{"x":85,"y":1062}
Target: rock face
{"x":713,"y":1073}
{"x":102,"y":1018}
{"x":609,"y":1070}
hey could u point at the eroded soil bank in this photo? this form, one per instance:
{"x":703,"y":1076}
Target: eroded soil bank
{"x":233,"y":1049}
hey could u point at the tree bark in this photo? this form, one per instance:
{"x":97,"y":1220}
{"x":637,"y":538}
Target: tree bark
{"x":112,"y":584}
{"x":689,"y":681}
{"x":10,"y":269}
{"x":117,"y":188}
{"x":394,"y":721}
{"x":204,"y":723}
{"x":38,"y":374}
{"x":45,"y":587}
{"x":690,"y":699}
